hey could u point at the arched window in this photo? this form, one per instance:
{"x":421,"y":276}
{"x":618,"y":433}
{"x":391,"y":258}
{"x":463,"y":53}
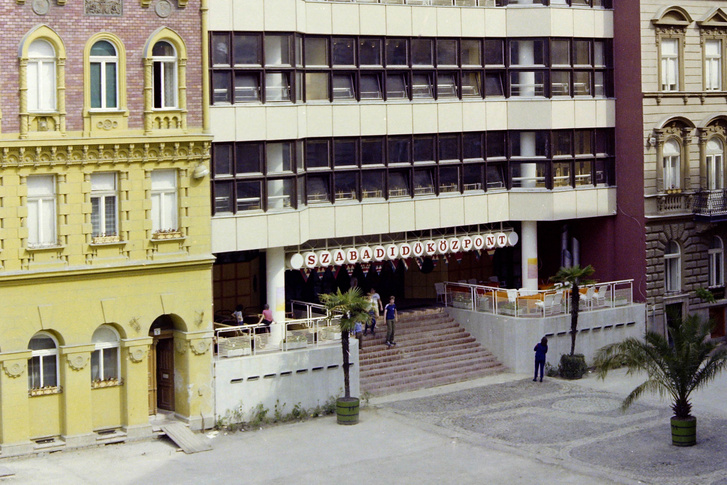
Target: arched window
{"x":716,"y":262}
{"x":41,"y":76}
{"x":43,"y":363}
{"x":105,"y":357}
{"x":104,"y":75}
{"x":714,"y":161}
{"x":671,"y":165}
{"x":164,"y":74}
{"x":672,"y":267}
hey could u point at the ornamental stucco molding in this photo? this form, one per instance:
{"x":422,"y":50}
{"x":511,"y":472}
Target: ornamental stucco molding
{"x":181,"y":346}
{"x":13,"y":369}
{"x":136,"y":354}
{"x":85,"y":154}
{"x":199,"y":347}
{"x":77,"y":361}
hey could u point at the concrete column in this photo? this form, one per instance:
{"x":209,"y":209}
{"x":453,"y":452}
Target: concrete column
{"x":76,"y":409}
{"x":14,"y":404}
{"x":529,"y":249}
{"x":275,"y":278}
{"x":135,"y":391}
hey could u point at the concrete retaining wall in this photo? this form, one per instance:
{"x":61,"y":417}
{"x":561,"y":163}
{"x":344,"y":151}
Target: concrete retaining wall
{"x":307,"y":376}
{"x":512,"y":339}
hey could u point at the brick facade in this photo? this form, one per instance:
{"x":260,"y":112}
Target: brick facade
{"x":74,"y":27}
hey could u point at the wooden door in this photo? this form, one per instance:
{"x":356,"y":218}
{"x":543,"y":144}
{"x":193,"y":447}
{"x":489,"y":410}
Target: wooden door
{"x":165,"y":373}
{"x":152,"y":363}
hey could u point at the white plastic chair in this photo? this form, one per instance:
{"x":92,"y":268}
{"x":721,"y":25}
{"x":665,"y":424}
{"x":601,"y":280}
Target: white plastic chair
{"x":547,"y":303}
{"x":589,"y":297}
{"x":441,"y":293}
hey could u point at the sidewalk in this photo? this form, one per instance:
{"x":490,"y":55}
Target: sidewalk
{"x":504,"y":429}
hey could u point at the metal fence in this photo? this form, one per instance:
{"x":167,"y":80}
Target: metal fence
{"x":536,"y":303}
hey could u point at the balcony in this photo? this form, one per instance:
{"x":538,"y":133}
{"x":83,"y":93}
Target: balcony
{"x":710,"y":205}
{"x":674,"y":201}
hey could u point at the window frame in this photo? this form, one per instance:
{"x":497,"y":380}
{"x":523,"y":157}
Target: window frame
{"x":103,"y":194}
{"x":164,"y":201}
{"x":98,"y":354}
{"x":103,"y":81}
{"x":715,"y":263}
{"x":37,"y":229}
{"x":41,"y":355}
{"x":672,"y":267}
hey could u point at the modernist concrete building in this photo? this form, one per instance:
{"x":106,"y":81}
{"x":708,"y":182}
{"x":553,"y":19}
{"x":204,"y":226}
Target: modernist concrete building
{"x":352,"y":125}
{"x":105,"y":264}
{"x":685,"y":122}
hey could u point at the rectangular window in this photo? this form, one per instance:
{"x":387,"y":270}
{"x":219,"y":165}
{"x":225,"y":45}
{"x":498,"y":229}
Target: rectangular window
{"x":41,"y":211}
{"x":277,"y":50}
{"x":344,"y":51}
{"x":399,"y":150}
{"x":343,"y":87}
{"x":104,"y":209}
{"x":669,"y":64}
{"x":471,"y":84}
{"x":280,"y":193}
{"x":370,"y":52}
{"x":421,"y":85}
{"x":396,"y":86}
{"x":247,"y":88}
{"x":345,"y":152}
{"x":277,"y":86}
{"x":371,"y":86}
{"x":247,"y":50}
{"x":316,"y":51}
{"x":316,"y":86}
{"x":164,"y":201}
{"x":713,"y":65}
{"x":372,"y":184}
{"x":423,"y":182}
{"x":249,"y":195}
{"x":346,"y":186}
{"x":104,"y":364}
{"x":396,"y":52}
{"x":317,"y":189}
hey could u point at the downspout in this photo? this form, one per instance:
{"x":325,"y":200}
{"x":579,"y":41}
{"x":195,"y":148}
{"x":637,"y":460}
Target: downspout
{"x":204,"y":11}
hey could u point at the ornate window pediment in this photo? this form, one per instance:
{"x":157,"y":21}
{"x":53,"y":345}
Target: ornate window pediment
{"x":672,"y":17}
{"x":716,"y":18}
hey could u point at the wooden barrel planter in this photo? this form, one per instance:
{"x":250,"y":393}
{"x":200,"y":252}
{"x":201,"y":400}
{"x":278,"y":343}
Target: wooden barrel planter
{"x":347,"y":410}
{"x":684,"y":431}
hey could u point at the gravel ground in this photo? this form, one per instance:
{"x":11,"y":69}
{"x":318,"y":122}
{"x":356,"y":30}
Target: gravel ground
{"x":581,"y":428}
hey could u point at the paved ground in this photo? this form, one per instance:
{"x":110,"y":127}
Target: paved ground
{"x":503,"y":429}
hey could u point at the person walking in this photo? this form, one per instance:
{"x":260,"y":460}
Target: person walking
{"x":540,"y":350}
{"x":391,"y":317}
{"x":373,"y":308}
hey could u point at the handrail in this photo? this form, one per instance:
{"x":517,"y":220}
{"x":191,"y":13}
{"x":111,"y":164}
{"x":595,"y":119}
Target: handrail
{"x":536,"y":303}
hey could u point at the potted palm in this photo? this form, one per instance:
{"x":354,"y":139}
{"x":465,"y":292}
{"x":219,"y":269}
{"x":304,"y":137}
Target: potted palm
{"x":350,"y":307}
{"x":675,"y":370}
{"x":573,"y":366}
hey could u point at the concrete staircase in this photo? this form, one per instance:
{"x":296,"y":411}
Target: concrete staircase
{"x":432,"y":350}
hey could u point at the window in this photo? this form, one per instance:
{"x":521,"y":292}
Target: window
{"x":716,"y":262}
{"x":43,"y":363}
{"x":671,"y":165}
{"x":164,"y":75}
{"x":672,"y":267}
{"x":41,"y":76}
{"x":713,"y":65}
{"x":670,"y":64}
{"x":164,"y":200}
{"x":104,"y":75}
{"x":715,"y":164}
{"x":105,"y":356}
{"x":104,"y":208}
{"x":41,"y":211}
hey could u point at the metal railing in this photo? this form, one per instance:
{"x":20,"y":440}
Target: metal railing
{"x":710,"y":203}
{"x":536,"y":303}
{"x":309,"y":326}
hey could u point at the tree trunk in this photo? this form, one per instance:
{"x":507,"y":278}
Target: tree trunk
{"x":575,"y":303}
{"x":344,"y":349}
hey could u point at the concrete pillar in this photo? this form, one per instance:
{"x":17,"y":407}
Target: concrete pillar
{"x":14,"y":404}
{"x":529,"y":249}
{"x":275,"y":278}
{"x":135,"y":391}
{"x":76,"y":409}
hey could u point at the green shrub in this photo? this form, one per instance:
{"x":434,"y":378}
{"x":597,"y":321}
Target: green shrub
{"x":572,"y":366}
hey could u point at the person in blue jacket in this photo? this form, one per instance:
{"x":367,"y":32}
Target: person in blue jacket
{"x":540,"y":350}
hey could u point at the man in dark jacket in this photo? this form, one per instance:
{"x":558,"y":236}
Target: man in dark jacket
{"x":540,"y":350}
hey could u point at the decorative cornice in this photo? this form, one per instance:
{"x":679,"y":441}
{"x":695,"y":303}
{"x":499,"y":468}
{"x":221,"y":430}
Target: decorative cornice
{"x":98,"y":153}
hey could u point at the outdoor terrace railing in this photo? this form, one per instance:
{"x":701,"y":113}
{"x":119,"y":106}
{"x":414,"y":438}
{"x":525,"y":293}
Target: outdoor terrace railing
{"x":308,"y":327}
{"x":536,"y":303}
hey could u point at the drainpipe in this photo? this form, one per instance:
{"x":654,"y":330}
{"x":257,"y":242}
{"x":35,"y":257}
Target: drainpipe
{"x":204,"y":11}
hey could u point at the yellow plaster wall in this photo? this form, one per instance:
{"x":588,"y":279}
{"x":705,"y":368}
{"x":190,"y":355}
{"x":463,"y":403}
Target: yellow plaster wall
{"x":45,"y":415}
{"x":106,"y":404}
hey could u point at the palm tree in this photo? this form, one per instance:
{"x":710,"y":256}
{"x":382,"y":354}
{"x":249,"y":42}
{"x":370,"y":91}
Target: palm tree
{"x":352,"y":307}
{"x":573,"y":277}
{"x":675,"y":370}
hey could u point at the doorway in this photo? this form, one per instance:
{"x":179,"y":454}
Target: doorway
{"x":161,"y":365}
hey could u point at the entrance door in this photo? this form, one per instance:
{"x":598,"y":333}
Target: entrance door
{"x":717,"y":316}
{"x":165,"y":373}
{"x":152,"y":363}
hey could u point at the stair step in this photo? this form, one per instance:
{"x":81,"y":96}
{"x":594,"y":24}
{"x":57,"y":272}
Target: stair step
{"x":432,"y":349}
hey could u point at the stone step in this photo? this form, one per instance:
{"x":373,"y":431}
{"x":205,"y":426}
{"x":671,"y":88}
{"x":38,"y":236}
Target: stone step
{"x":421,"y":365}
{"x":389,"y":354}
{"x":432,"y":349}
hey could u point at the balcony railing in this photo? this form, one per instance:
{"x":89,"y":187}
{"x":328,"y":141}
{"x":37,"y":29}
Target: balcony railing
{"x":674,"y":201}
{"x":710,"y":205}
{"x":536,"y":303}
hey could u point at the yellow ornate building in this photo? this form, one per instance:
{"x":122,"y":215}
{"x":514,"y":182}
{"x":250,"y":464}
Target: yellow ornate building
{"x":105,"y":263}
